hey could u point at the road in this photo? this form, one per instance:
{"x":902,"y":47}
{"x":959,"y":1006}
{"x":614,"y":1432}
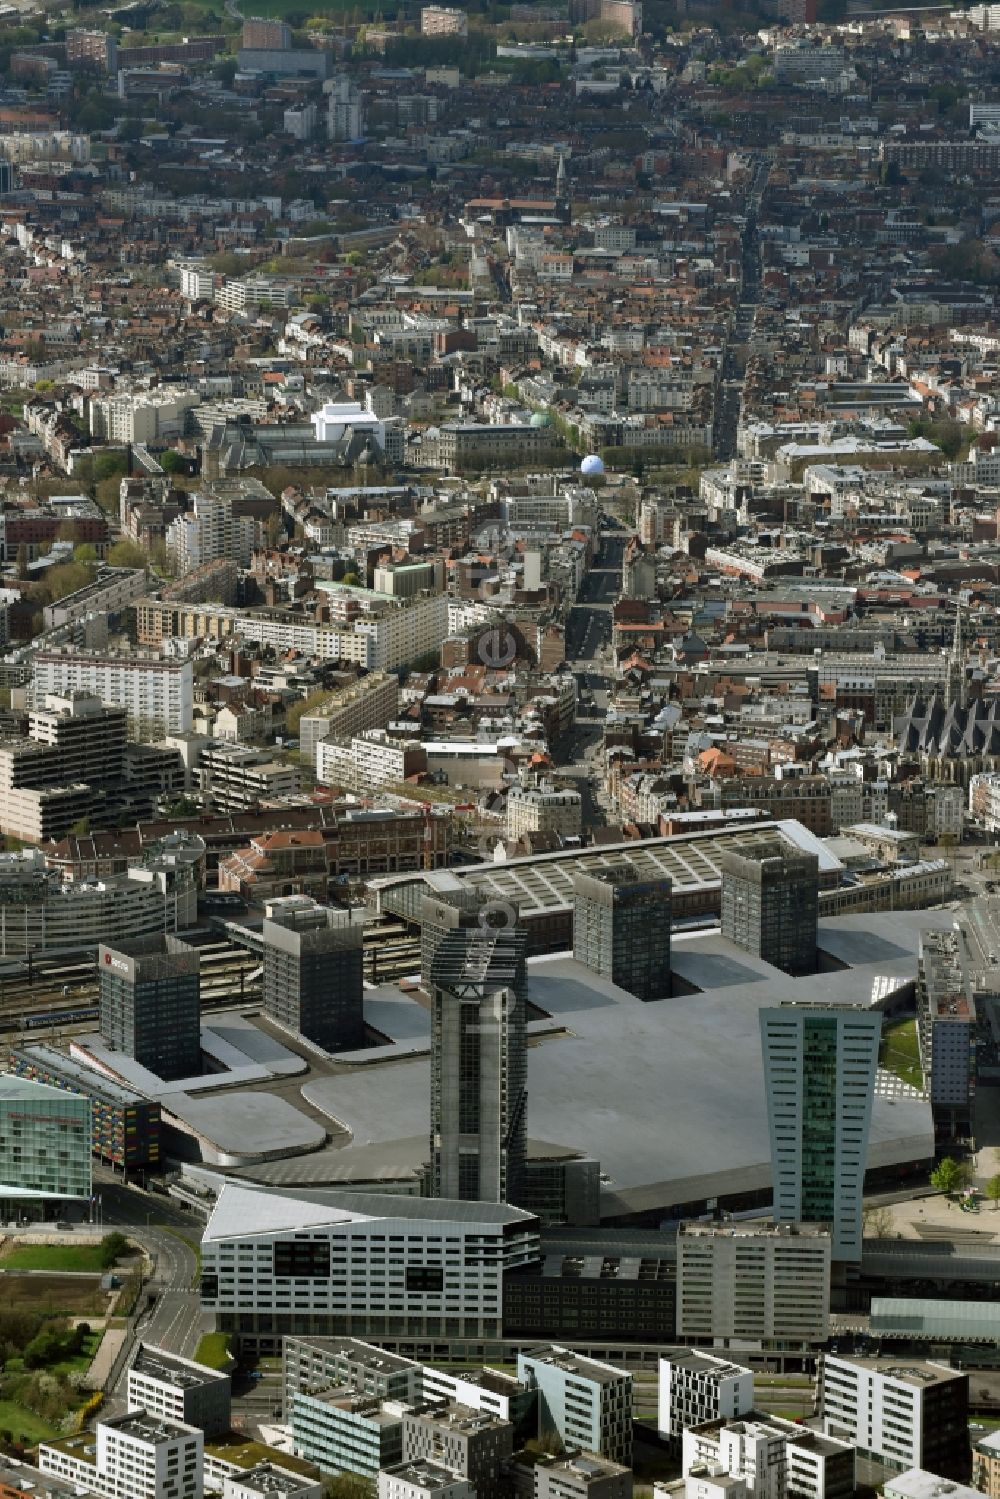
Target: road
{"x":175,"y":1321}
{"x":588,"y":650}
{"x":729,"y":403}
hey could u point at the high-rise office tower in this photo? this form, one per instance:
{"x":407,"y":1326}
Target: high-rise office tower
{"x":770,"y":906}
{"x":150,"y":1005}
{"x":479,"y":1064}
{"x":313,"y":972}
{"x":819,"y":1075}
{"x":450,"y":906}
{"x":621,"y":928}
{"x":447,"y":908}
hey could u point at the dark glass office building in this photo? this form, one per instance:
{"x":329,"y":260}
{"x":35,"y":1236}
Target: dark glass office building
{"x":479,"y":1068}
{"x":314,"y":972}
{"x":621,"y":929}
{"x":770,"y":906}
{"x":150,"y":1003}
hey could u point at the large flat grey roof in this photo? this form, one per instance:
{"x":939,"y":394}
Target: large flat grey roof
{"x":668,"y":1096}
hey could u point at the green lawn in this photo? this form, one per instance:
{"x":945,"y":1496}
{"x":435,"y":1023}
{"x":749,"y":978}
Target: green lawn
{"x":899,"y":1052}
{"x":213,"y":1350}
{"x":55,"y":1257}
{"x":24,"y":1425}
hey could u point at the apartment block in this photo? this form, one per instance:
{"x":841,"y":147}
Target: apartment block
{"x":372,"y":759}
{"x":317,"y":1363}
{"x":135,"y":1456}
{"x":158,"y":695}
{"x":163,"y":1384}
{"x":581,"y":1476}
{"x":906,"y":1413}
{"x":753,"y":1285}
{"x":470,"y":1443}
{"x":587,"y":1404}
{"x":342,"y":1431}
{"x":443,"y":20}
{"x":239,"y":779}
{"x":544,"y":809}
{"x":772,"y":1457}
{"x":422,"y":1480}
{"x":372,"y":702}
{"x":696,"y":1387}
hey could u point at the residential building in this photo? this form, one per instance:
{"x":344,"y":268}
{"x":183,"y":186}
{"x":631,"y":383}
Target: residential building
{"x":238,"y":779}
{"x":918,"y":1483}
{"x":587,"y":1404}
{"x":544,"y":809}
{"x":621,"y":928}
{"x":443,"y":20}
{"x":580,"y":1476}
{"x":696,"y":1387}
{"x":135,"y":1456}
{"x":372,"y":702}
{"x":370,"y":760}
{"x":342,"y":1431}
{"x":770,"y":906}
{"x":471,"y":1444}
{"x":314,"y":972}
{"x":125,"y":1127}
{"x":772,"y":1457}
{"x":906,"y":1413}
{"x":316,"y":1363}
{"x":164,"y":1384}
{"x":44,"y":1145}
{"x":89,"y":737}
{"x":422,"y":1480}
{"x":266,"y":35}
{"x":986,"y":1464}
{"x":157,"y":694}
{"x":479,"y":1065}
{"x":753,"y":1284}
{"x":441,"y":1263}
{"x":270,"y":1481}
{"x":947,"y":967}
{"x":819,"y":1075}
{"x":485,"y":1390}
{"x":150,"y":1003}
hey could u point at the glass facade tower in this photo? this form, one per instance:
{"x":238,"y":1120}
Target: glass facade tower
{"x":819,"y":1073}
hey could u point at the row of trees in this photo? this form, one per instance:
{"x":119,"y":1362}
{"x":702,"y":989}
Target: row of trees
{"x":951,"y":1176}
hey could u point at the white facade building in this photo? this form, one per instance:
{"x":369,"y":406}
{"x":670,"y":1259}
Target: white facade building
{"x":749,"y":1284}
{"x":544,"y":809}
{"x":158,"y":695}
{"x":906,"y":1414}
{"x":135,"y":1456}
{"x":696,"y":1387}
{"x":774,"y":1458}
{"x":422,"y":1480}
{"x":369,"y":760}
{"x":334,"y":420}
{"x":365,"y":1264}
{"x":147,"y":416}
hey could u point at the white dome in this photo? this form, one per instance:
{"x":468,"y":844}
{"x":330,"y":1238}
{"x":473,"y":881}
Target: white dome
{"x":592,"y":464}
